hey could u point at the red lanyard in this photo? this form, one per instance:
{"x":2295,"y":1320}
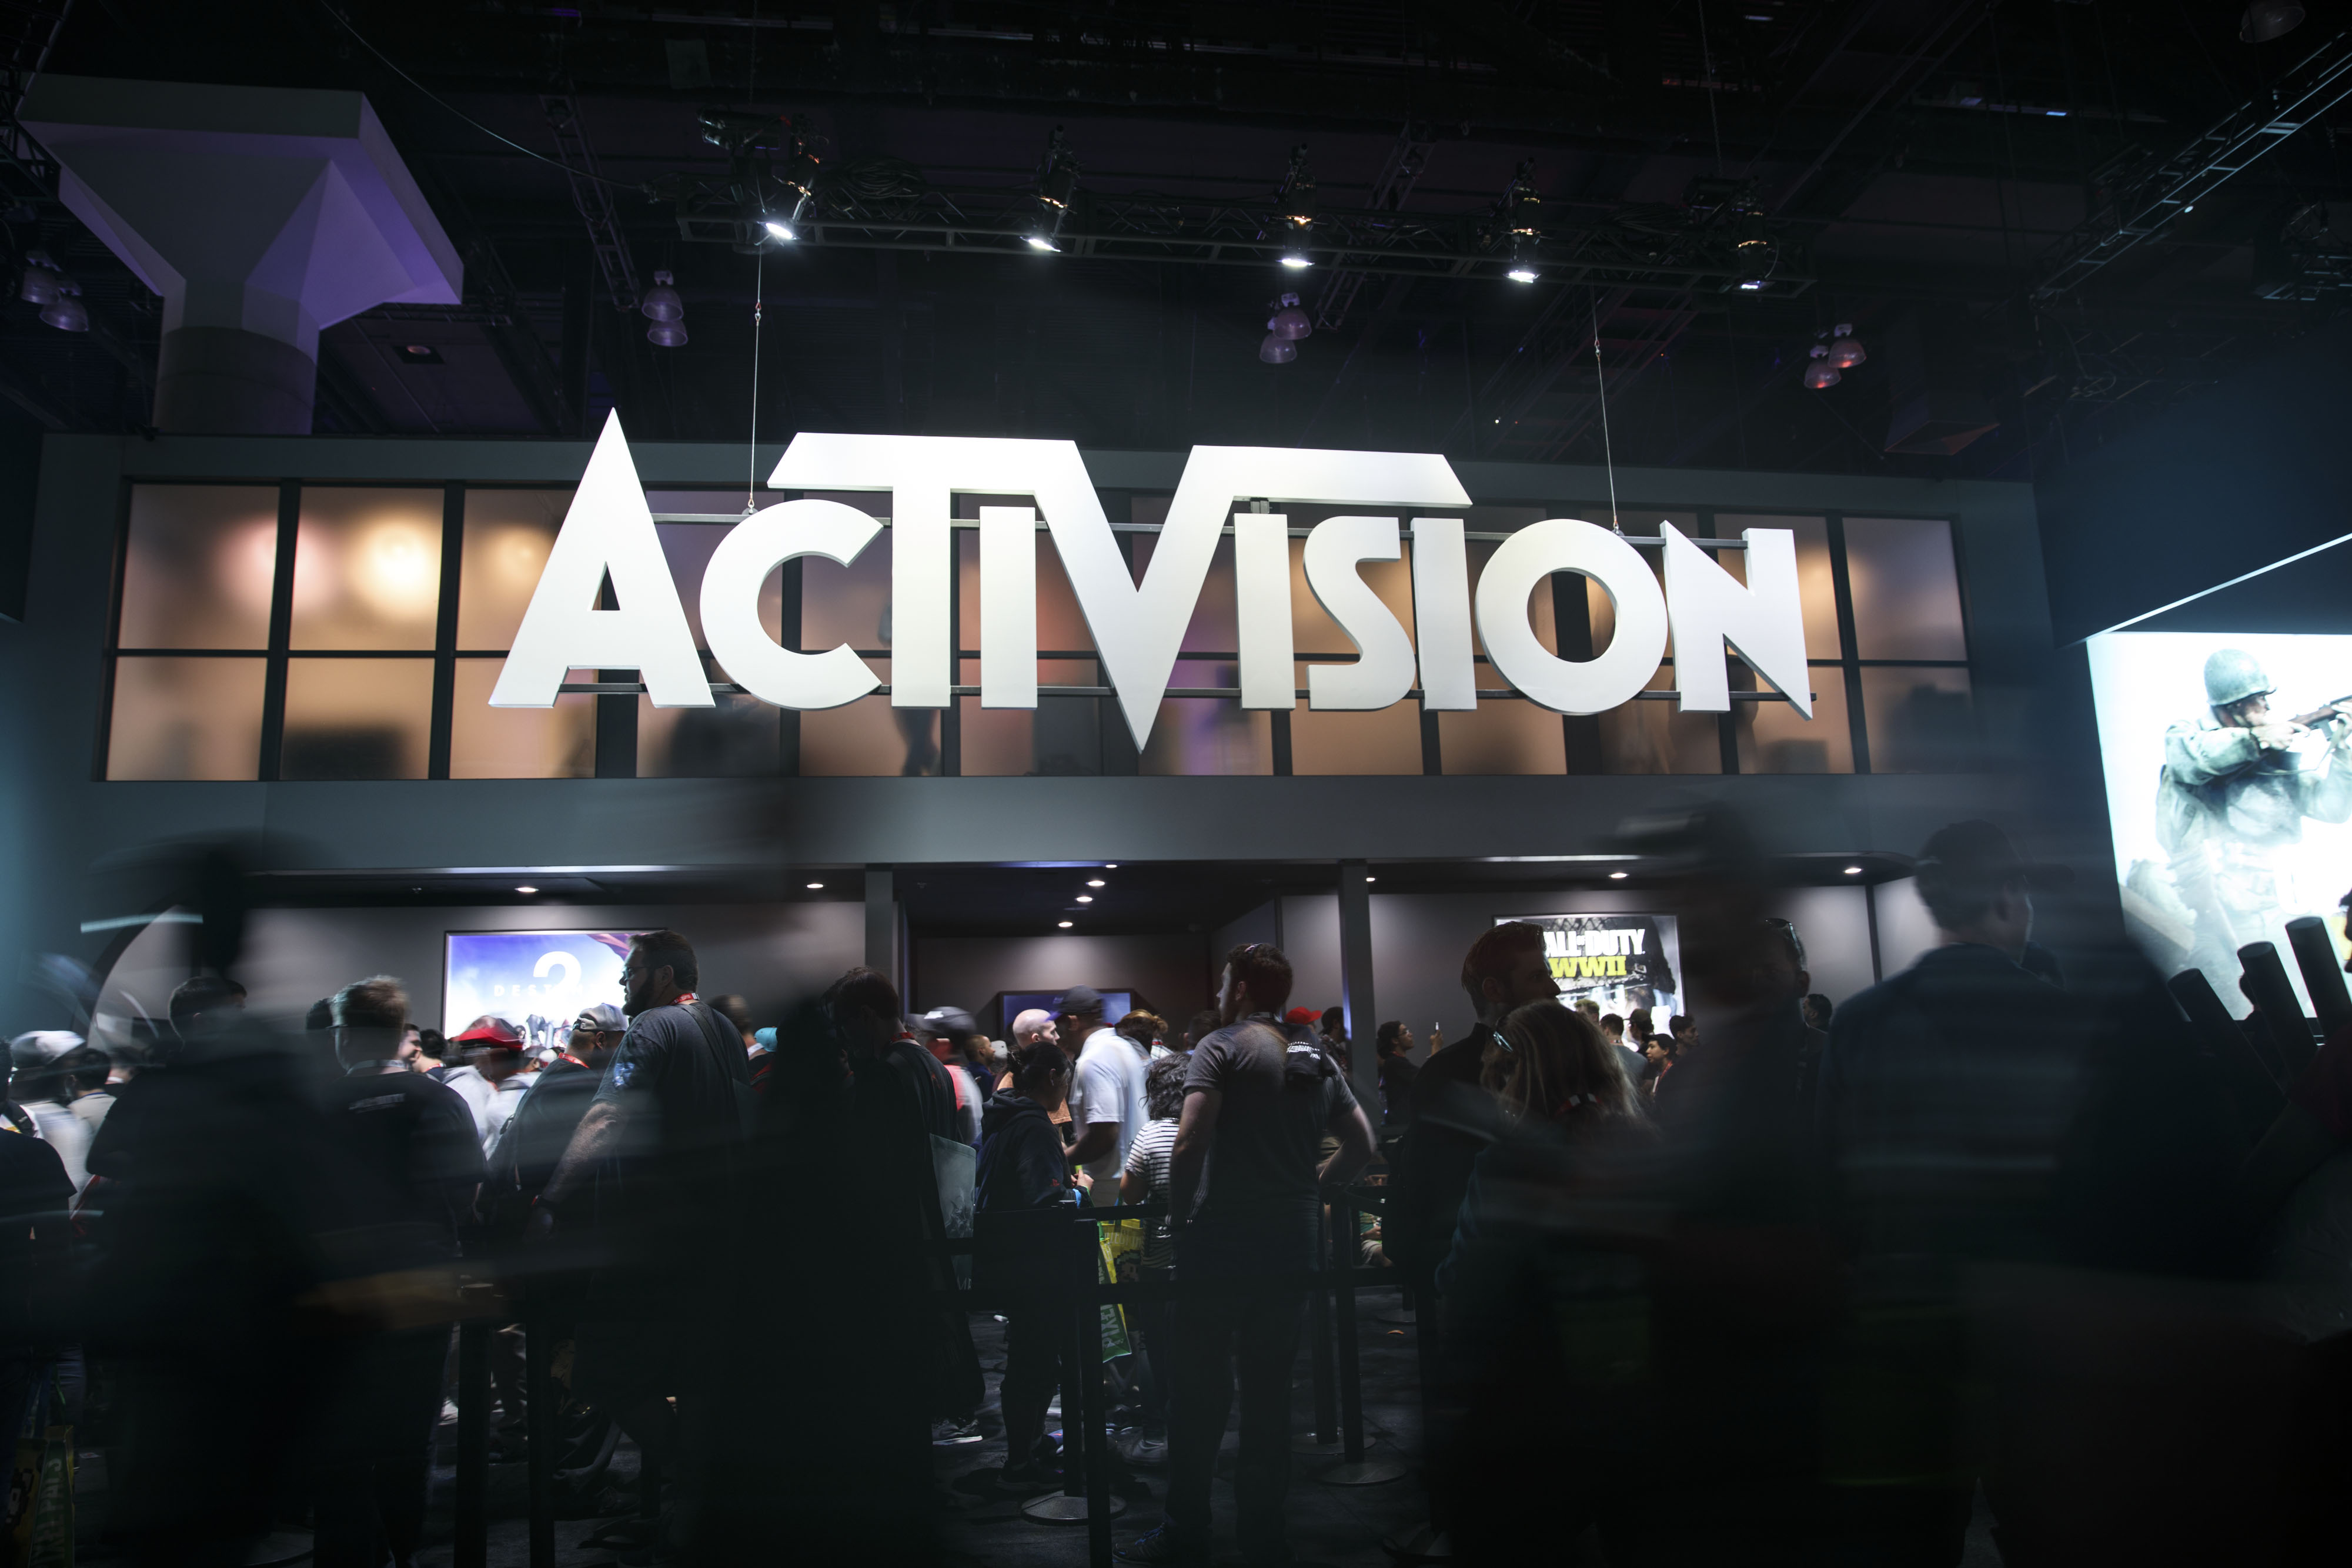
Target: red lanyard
{"x":567,"y":1056}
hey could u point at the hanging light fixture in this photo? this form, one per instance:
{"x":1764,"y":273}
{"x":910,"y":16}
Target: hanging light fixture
{"x":65,"y":313}
{"x":1521,"y":216}
{"x":39,"y":286}
{"x":1295,"y":212}
{"x":2268,"y":19}
{"x":1289,"y":322}
{"x":663,"y":307}
{"x":1822,"y":373}
{"x":1276,"y":350}
{"x":1845,"y":350}
{"x":1057,"y":191}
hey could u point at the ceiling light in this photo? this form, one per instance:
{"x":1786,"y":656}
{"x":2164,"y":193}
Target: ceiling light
{"x":1063,"y":923}
{"x":1057,"y":188}
{"x":1041,"y":241}
{"x":1110,"y":865}
{"x":815,"y":886}
{"x":1752,"y":284}
{"x":1521,"y":275}
{"x":666,"y":311}
{"x":65,"y":313}
{"x":1821,"y":375}
{"x":1096,"y":882}
{"x":1845,"y":350}
{"x":525,"y":889}
{"x":1294,"y":209}
{"x":2268,"y":19}
{"x":1371,"y":878}
{"x":1619,"y":875}
{"x":1288,"y":321}
{"x":1085,"y":898}
{"x":1276,"y":350}
{"x":1853,"y":870}
{"x":39,"y":286}
{"x":1297,"y":258}
{"x":780,"y":229}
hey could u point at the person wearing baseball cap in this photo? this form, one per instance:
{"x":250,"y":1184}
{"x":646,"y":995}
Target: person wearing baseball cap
{"x":492,"y":1081}
{"x":1945,"y":1093}
{"x":526,"y":1154}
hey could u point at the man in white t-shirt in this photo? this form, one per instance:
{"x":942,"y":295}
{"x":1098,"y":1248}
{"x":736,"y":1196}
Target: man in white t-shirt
{"x":1106,"y":1102}
{"x":492,"y":1081}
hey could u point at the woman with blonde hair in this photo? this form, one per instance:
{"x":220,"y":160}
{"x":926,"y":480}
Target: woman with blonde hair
{"x":1555,"y":1062}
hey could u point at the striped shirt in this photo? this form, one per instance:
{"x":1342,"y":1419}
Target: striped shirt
{"x":1149,"y":1156}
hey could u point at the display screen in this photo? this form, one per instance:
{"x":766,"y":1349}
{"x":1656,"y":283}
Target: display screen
{"x":537,"y":980}
{"x":2221,"y":837}
{"x":1620,"y":961}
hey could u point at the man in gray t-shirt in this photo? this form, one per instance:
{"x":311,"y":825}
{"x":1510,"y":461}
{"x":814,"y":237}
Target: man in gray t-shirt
{"x":1244,"y":1180}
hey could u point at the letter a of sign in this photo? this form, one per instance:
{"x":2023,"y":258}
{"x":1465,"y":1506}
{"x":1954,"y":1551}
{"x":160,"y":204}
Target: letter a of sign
{"x":608,"y":531}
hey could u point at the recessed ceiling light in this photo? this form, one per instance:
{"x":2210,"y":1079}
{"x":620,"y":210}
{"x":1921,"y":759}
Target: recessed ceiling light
{"x":1371,"y":878}
{"x":525,"y":889}
{"x":1619,"y":875}
{"x":1096,"y":881}
{"x":1110,"y":865}
{"x":1853,"y":870}
{"x":1085,"y":898}
{"x":1063,"y":923}
{"x":816,"y":887}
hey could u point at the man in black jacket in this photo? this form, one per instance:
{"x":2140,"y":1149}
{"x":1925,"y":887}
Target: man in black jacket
{"x":1024,"y":1179}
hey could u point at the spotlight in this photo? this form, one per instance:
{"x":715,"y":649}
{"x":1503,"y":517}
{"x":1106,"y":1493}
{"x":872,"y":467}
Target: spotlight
{"x":2268,"y":19}
{"x":1085,"y":898}
{"x":778,"y":228}
{"x":1043,"y":239}
{"x":39,"y":286}
{"x":1057,"y":188}
{"x":1619,"y":875}
{"x":1853,"y":870}
{"x":1753,"y":253}
{"x":1295,"y":210}
{"x":666,"y":311}
{"x":67,"y":314}
{"x":525,"y":889}
{"x":1520,"y":216}
{"x":815,"y":886}
{"x":1822,"y":373}
{"x":1097,"y":881}
{"x":1063,"y":923}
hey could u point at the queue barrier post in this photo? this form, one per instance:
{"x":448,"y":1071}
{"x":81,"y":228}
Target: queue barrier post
{"x":1085,"y":1497}
{"x":1354,"y":1469}
{"x":472,"y":1544}
{"x":1318,"y":1337}
{"x":538,"y":1433}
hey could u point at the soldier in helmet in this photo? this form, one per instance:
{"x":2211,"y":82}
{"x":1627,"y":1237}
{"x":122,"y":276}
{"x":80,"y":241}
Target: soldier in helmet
{"x":2232,"y":794}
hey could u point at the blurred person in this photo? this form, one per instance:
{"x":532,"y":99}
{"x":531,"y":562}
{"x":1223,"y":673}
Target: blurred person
{"x":35,"y":1238}
{"x":1201,"y":1026}
{"x":1941,"y":1122}
{"x":1589,"y":1007}
{"x":1148,"y":1030}
{"x":906,"y":1111}
{"x":1657,"y":1061}
{"x":1818,"y":1011}
{"x":1333,"y":1028}
{"x":738,"y":1014}
{"x":1684,"y":1032}
{"x":493,"y":1082}
{"x":52,"y":1071}
{"x":1144,"y":1179}
{"x":1536,"y":1287}
{"x":415,"y":1140}
{"x":412,"y":1049}
{"x":1636,"y":1064}
{"x":657,"y":1148}
{"x":1245,"y":1187}
{"x":958,"y":1042}
{"x":1394,"y":1042}
{"x":1029,"y":1026}
{"x":432,"y":1050}
{"x":1106,"y":1103}
{"x":204,"y":1003}
{"x":1024,"y":1182}
{"x":1639,"y":1030}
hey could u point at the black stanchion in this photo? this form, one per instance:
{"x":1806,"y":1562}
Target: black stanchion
{"x":1084,"y":1497}
{"x":538,"y":1432}
{"x":1318,"y":1341}
{"x":1091,"y":1402}
{"x":1353,"y":1469}
{"x":472,"y":1546}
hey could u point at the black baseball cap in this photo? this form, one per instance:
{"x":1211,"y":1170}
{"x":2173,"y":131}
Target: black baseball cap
{"x":1082,"y":1001}
{"x":1975,"y":853}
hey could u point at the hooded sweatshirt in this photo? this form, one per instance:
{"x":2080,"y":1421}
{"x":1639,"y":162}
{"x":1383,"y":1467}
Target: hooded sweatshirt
{"x":1021,"y":1160}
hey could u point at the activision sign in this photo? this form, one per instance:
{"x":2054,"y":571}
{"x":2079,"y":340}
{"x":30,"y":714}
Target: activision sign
{"x":1138,"y":627}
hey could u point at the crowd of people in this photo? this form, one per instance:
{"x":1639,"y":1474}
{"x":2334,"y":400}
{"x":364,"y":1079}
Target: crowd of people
{"x":1726,"y":1297}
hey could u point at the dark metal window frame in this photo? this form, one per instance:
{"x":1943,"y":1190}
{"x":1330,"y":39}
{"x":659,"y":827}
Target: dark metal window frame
{"x":1580,"y":734}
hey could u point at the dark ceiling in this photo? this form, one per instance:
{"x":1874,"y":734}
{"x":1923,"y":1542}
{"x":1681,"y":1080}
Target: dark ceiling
{"x":1915,"y":167}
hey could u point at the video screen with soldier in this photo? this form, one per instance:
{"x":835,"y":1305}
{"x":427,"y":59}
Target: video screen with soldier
{"x":2229,"y":778}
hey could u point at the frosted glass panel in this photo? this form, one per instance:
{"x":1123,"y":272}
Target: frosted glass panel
{"x":356,"y":718}
{"x":736,"y":738}
{"x":1503,"y":735}
{"x":488,"y":742}
{"x":1816,"y":585}
{"x":1918,"y":720}
{"x":1387,"y":740}
{"x":1657,"y":738}
{"x":200,"y":566}
{"x":1774,"y":738}
{"x":185,"y":719}
{"x":1061,"y":735}
{"x":869,"y":737}
{"x":509,"y":533}
{"x":1906,"y":591}
{"x":1199,"y":736}
{"x":367,"y":568}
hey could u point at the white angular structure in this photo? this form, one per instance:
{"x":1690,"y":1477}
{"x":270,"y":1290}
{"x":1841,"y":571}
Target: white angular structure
{"x":260,"y":214}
